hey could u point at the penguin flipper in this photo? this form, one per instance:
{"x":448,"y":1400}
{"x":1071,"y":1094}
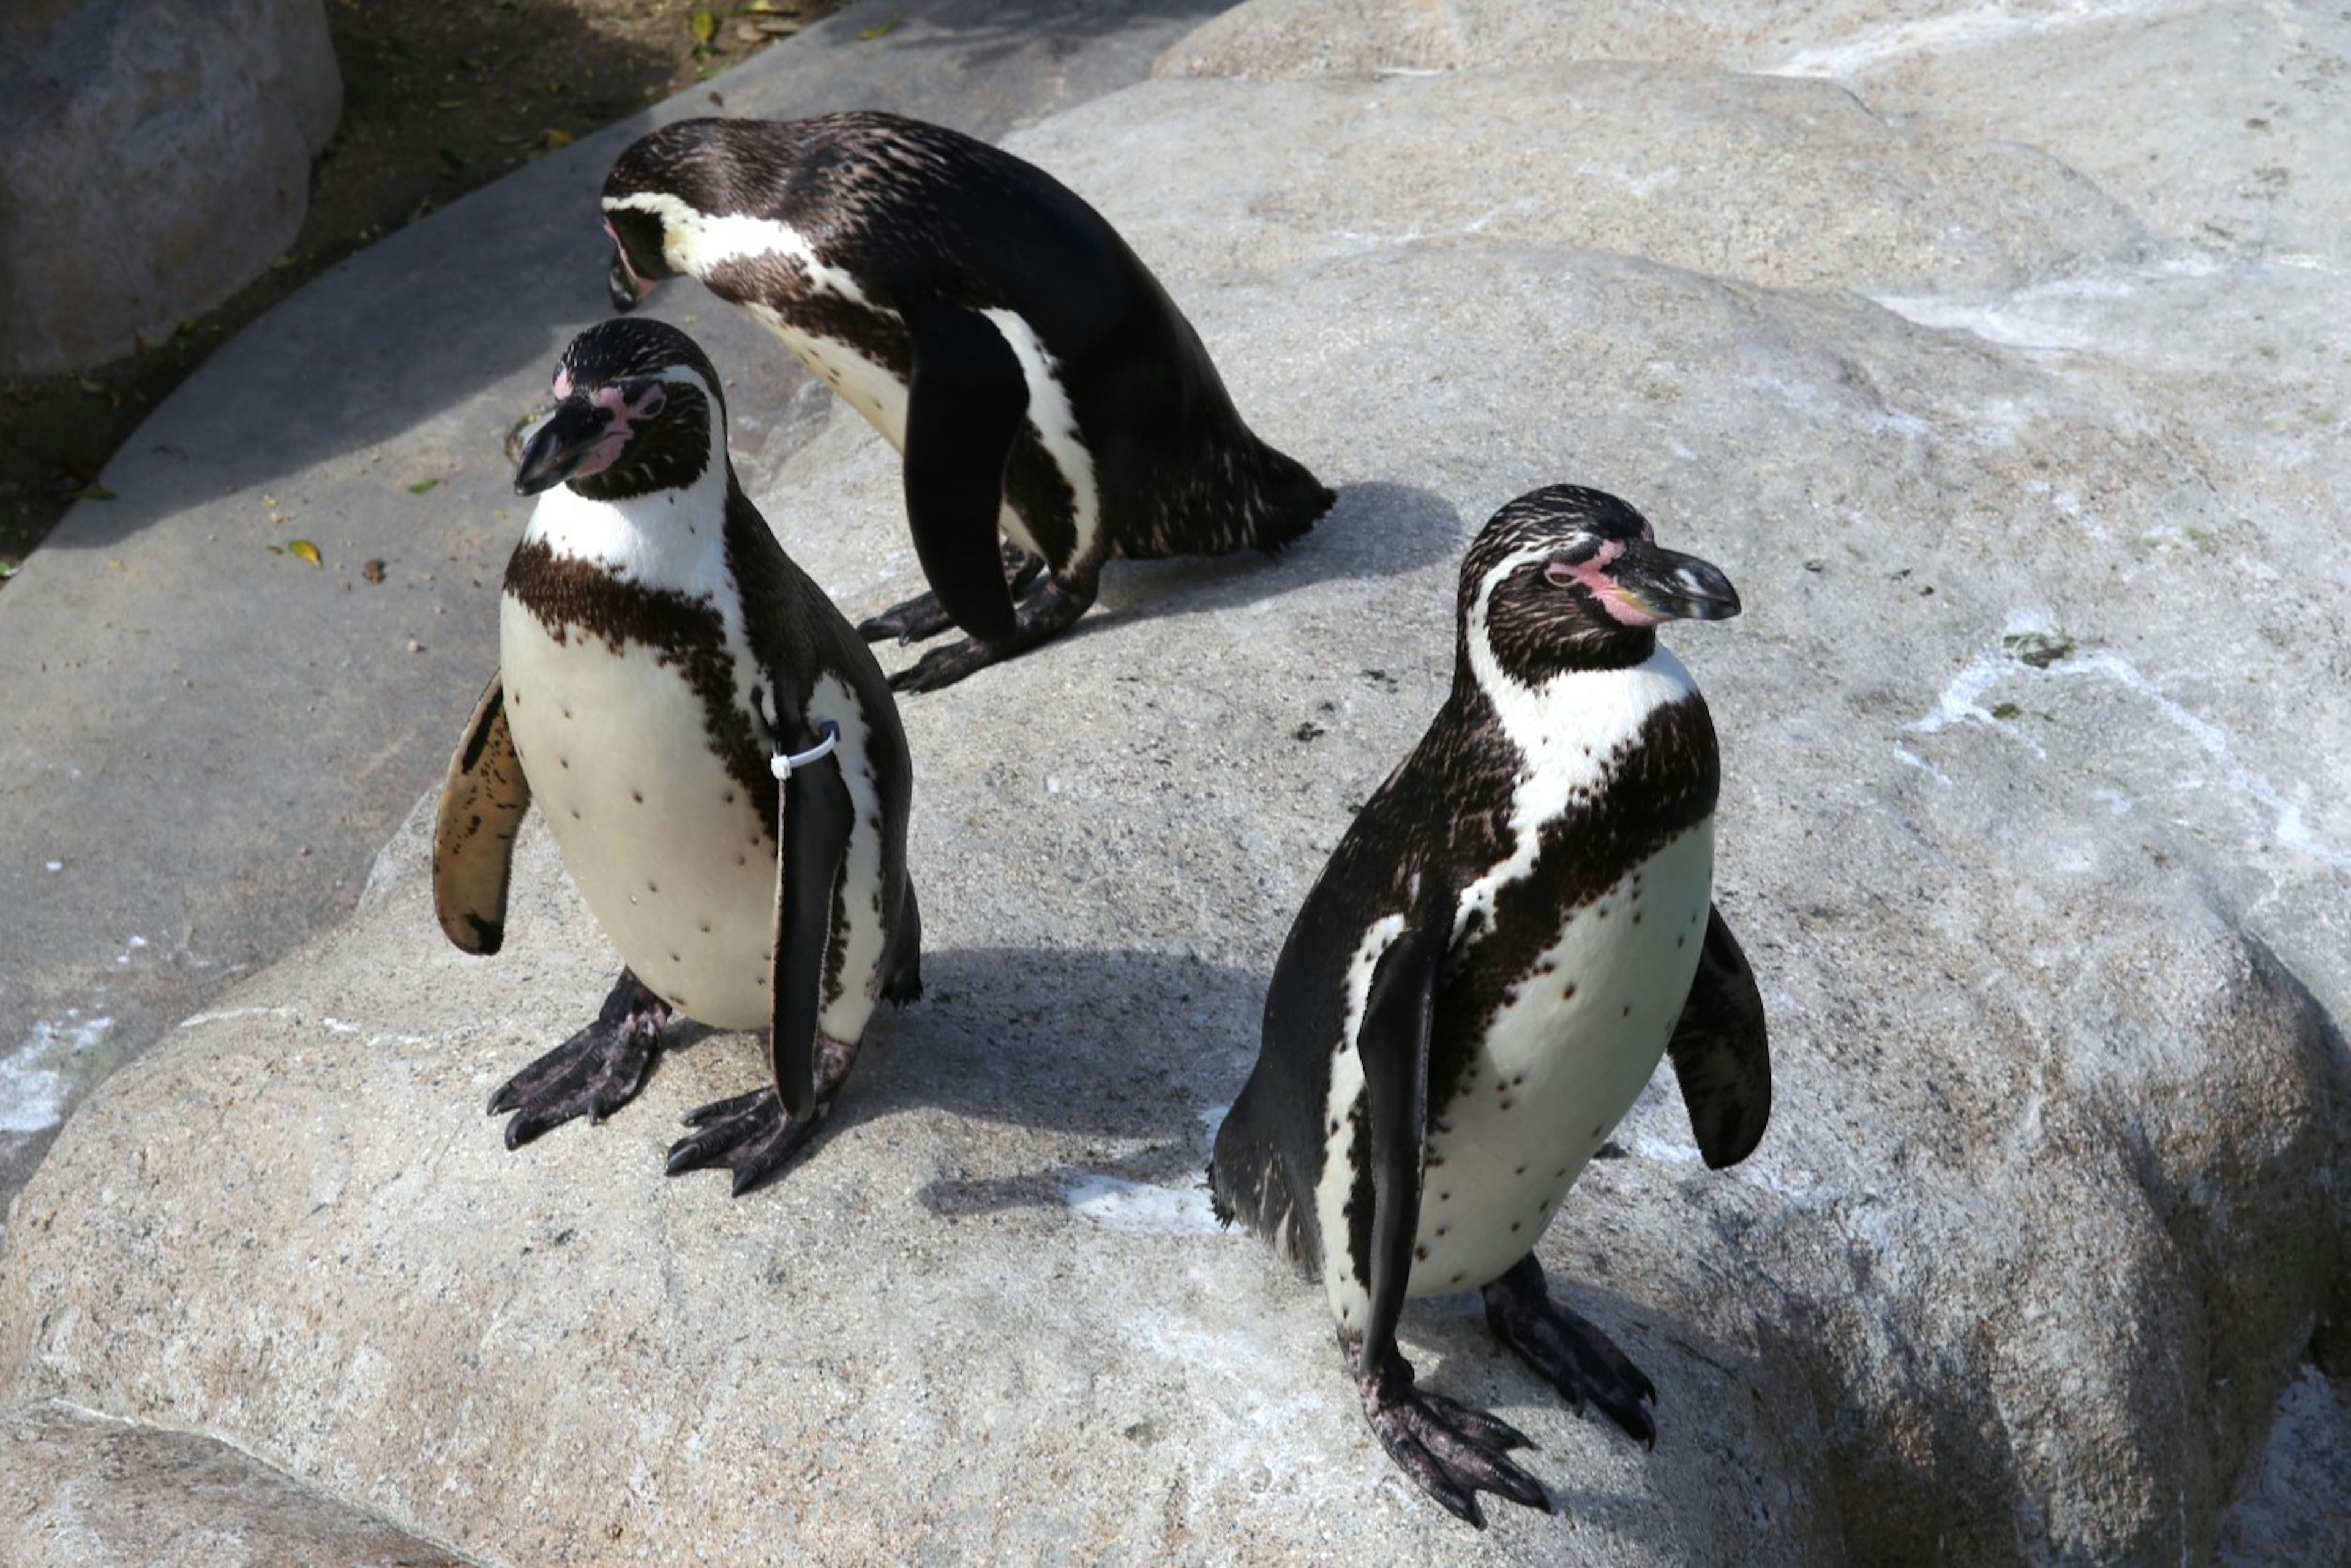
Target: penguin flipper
{"x":818,"y":817}
{"x":1392,"y":1043}
{"x":965,"y":401}
{"x":483,"y":798}
{"x":1721,"y":1050}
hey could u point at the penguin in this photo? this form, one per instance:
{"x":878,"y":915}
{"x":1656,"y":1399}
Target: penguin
{"x":1036,"y":380}
{"x":1515,"y":928}
{"x":714,"y":748}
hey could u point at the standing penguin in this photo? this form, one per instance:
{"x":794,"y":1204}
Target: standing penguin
{"x":714,"y":750}
{"x":1515,"y":928}
{"x":995,"y":329}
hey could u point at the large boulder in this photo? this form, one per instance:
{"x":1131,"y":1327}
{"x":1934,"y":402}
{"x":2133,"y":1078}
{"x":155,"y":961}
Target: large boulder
{"x":2032,"y":823}
{"x":154,"y":158}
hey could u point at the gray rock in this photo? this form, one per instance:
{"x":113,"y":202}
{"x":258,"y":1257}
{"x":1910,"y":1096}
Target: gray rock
{"x":154,"y":158}
{"x":209,"y":742}
{"x":2031,"y":822}
{"x":77,"y":1491}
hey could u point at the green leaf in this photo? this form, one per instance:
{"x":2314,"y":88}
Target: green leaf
{"x":422,"y":485}
{"x":93,"y":492}
{"x":706,"y":26}
{"x":871,"y":33}
{"x":306,"y":551}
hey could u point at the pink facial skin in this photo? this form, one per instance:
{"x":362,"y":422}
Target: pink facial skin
{"x":623,"y":413}
{"x":1594,"y":575}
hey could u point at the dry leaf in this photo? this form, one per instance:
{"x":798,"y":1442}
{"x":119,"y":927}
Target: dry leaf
{"x":552,"y":139}
{"x":871,"y":33}
{"x":93,"y":492}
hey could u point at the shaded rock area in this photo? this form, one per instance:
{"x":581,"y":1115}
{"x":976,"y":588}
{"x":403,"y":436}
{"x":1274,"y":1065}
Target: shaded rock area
{"x":84,"y":1491}
{"x":154,"y":158}
{"x":2028,"y":467}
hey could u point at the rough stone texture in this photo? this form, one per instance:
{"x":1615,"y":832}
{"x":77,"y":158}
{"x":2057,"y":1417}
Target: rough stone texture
{"x":2033,"y":824}
{"x":154,"y":158}
{"x":79,"y":1490}
{"x":206,"y":744}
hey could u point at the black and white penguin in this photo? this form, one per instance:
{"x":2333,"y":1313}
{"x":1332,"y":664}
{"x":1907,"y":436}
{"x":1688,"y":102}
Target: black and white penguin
{"x":1518,"y":925}
{"x":714,"y":748}
{"x":995,"y":328}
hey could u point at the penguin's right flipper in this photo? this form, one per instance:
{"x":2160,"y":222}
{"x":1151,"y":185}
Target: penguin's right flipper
{"x":965,"y":401}
{"x":1721,"y":1050}
{"x":1452,"y":1450}
{"x":483,"y":798}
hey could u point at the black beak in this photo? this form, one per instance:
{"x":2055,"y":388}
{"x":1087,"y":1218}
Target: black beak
{"x":565,"y":440}
{"x":1673,"y":586}
{"x":622,"y":284}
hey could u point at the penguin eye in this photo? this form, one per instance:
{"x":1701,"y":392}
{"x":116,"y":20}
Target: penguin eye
{"x":652,"y":403}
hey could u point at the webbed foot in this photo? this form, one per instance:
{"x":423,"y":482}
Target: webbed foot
{"x":924,"y":616}
{"x":1569,"y":1351}
{"x":1453,"y":1451}
{"x":593,"y":1074}
{"x":748,"y":1135}
{"x":1045,"y":614}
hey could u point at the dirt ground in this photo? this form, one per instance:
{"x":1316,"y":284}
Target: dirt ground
{"x":439,"y":97}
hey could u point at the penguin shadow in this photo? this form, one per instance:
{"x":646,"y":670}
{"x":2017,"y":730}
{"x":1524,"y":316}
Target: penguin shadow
{"x":1376,"y":529}
{"x":1122,"y":1060}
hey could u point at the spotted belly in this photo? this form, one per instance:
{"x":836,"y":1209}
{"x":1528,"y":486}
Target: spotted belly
{"x":666,"y":846}
{"x":1564,"y":1059}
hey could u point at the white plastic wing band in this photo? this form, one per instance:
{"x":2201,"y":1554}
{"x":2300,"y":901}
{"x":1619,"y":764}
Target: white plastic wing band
{"x":782,"y":763}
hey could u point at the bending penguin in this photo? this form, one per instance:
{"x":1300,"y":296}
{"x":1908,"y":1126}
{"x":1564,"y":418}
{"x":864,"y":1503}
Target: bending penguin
{"x":1515,"y":928}
{"x":714,"y":750}
{"x":1036,"y":377}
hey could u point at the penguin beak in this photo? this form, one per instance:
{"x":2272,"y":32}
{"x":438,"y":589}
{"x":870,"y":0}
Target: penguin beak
{"x":1659,"y":584}
{"x":561,"y":445}
{"x":628,"y":290}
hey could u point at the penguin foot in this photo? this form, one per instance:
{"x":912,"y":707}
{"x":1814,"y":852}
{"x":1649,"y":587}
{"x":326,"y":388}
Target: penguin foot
{"x":593,"y":1074}
{"x":1455,"y":1452}
{"x":749,"y":1134}
{"x":1579,"y":1361}
{"x":924,"y":616}
{"x":1045,"y":614}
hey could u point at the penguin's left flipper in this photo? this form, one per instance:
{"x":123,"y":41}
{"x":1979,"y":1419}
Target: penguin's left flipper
{"x":965,"y":400}
{"x":817,"y":818}
{"x":1721,"y":1052}
{"x":756,"y":1135}
{"x":924,"y":616}
{"x":1452,"y":1450}
{"x":483,"y":798}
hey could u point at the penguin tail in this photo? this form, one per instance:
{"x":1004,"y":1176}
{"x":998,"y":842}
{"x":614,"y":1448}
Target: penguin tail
{"x":1246,"y":1182}
{"x":1287,"y":500}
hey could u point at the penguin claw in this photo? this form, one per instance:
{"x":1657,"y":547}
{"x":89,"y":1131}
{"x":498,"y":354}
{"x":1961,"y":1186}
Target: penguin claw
{"x":747,"y":1134}
{"x":591,"y":1074}
{"x":1453,"y":1451}
{"x":1569,"y":1351}
{"x":924,"y":617}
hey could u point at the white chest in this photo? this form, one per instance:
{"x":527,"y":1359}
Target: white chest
{"x":1564,"y":1059}
{"x":865,"y":384}
{"x":665,"y":844}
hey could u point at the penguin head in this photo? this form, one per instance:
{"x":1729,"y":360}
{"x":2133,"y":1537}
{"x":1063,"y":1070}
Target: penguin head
{"x":638,"y":409}
{"x":1568,"y":579}
{"x":659,"y":183}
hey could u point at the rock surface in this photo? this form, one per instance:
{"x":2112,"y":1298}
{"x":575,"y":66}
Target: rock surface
{"x":208,"y":742}
{"x":82,"y":1492}
{"x":2032,"y":823}
{"x":154,"y":158}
